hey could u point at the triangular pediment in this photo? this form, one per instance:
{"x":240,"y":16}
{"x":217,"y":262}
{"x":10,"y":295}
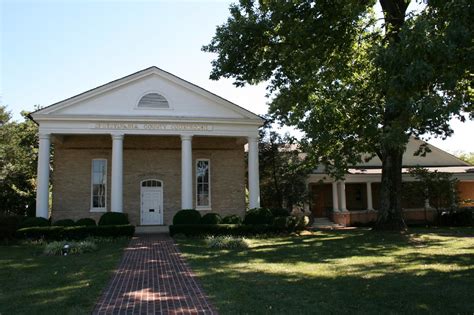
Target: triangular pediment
{"x":435,"y":157}
{"x":121,"y":98}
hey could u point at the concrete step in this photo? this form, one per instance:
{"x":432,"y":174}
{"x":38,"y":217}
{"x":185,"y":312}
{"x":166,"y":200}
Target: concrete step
{"x":151,"y":229}
{"x":325,"y":223}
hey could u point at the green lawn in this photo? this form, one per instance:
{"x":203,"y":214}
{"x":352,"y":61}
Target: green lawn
{"x":358,"y":271}
{"x":31,"y":283}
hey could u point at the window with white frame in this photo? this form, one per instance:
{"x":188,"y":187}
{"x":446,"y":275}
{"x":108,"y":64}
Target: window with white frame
{"x":99,"y":184}
{"x":203,"y":183}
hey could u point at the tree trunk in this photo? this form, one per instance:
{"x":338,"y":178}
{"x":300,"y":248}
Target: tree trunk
{"x":390,"y":214}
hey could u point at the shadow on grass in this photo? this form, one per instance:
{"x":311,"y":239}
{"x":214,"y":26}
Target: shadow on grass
{"x":31,"y":283}
{"x":339,"y":272}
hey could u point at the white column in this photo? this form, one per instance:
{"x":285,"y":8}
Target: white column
{"x":42,"y":182}
{"x":117,"y":173}
{"x":335,"y":198}
{"x":342,"y":192}
{"x":254,"y":179}
{"x":369,"y":196}
{"x":186,"y":172}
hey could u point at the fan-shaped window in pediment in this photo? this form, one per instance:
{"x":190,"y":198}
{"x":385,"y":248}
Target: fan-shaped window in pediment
{"x":153,"y":100}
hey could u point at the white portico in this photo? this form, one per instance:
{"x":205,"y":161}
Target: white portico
{"x":137,"y":113}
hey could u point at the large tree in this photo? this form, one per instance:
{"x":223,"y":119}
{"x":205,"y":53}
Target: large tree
{"x":283,"y":171}
{"x":18,"y":157}
{"x":353,"y":82}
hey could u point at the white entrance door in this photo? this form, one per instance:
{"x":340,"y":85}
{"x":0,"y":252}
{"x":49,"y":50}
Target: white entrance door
{"x":151,"y":203}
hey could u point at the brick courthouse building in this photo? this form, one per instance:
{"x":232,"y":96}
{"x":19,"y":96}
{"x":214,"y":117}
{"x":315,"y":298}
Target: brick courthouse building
{"x":148,"y":145}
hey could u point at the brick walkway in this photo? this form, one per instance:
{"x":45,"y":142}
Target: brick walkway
{"x":153,"y":278}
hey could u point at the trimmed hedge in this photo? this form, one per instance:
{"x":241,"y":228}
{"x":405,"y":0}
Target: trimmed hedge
{"x":211,"y":218}
{"x":65,"y":222}
{"x":258,"y":216}
{"x":113,"y":218}
{"x":280,"y":212}
{"x":33,"y":222}
{"x":232,"y":219}
{"x":57,"y":233}
{"x":187,"y":216}
{"x":223,"y":229}
{"x":8,"y":226}
{"x":86,"y":222}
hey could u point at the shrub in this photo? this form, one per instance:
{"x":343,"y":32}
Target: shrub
{"x":114,"y":218}
{"x":85,"y":222}
{"x":211,"y":218}
{"x":8,"y":226}
{"x":75,"y":232}
{"x":187,"y":216}
{"x":280,"y":212}
{"x":223,"y":229}
{"x":258,"y":216}
{"x":458,"y":217}
{"x":286,"y":223}
{"x":65,"y":222}
{"x":232,"y":219}
{"x":33,"y":222}
{"x":55,"y":248}
{"x":226,"y":242}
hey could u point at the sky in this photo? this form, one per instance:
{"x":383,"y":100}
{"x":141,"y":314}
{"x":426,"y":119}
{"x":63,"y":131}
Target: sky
{"x":53,"y":49}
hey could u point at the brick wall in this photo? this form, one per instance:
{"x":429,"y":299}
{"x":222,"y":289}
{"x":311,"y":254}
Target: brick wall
{"x":146,"y":157}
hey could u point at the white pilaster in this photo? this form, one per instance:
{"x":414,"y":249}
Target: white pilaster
{"x":42,"y":185}
{"x":369,"y":196}
{"x":342,"y":193}
{"x":254,"y":178}
{"x":335,"y":198}
{"x":427,"y":203}
{"x":117,"y":173}
{"x":186,"y":172}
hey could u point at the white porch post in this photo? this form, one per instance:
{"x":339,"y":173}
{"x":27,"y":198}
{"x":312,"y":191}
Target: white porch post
{"x":342,"y":191}
{"x":186,"y":172}
{"x":369,"y":196}
{"x":335,"y":198}
{"x":254,"y":180}
{"x":117,"y":173}
{"x":42,"y":189}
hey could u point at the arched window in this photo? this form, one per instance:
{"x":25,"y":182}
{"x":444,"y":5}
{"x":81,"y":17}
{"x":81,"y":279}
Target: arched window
{"x":153,"y":100}
{"x":151,"y":183}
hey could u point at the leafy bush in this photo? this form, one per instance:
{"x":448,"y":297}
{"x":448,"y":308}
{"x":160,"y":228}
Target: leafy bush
{"x":65,"y":222}
{"x":458,"y":217}
{"x":287,"y":223}
{"x":231,"y":219}
{"x":211,"y":218}
{"x":187,"y":216}
{"x":55,"y":248}
{"x":75,"y":232}
{"x":85,"y":222}
{"x":226,"y":242}
{"x":223,"y":229}
{"x":33,"y":222}
{"x":8,"y":226}
{"x":258,"y":216}
{"x":114,"y":218}
{"x":280,"y":212}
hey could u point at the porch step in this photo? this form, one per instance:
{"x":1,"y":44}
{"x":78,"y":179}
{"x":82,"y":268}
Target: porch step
{"x":151,"y":229}
{"x":325,"y":223}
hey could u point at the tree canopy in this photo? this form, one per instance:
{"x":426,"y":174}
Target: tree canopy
{"x":352,"y":82}
{"x":283,"y":171}
{"x":18,"y":158}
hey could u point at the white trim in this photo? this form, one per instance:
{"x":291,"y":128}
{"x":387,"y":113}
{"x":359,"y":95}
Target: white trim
{"x":93,"y":209}
{"x":209,"y":206}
